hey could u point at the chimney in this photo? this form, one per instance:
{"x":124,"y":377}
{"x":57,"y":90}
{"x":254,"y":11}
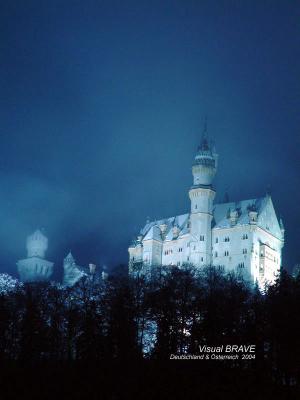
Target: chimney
{"x":104,"y":274}
{"x":92,"y":268}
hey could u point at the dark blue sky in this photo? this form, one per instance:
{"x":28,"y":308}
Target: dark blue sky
{"x":102,"y":108}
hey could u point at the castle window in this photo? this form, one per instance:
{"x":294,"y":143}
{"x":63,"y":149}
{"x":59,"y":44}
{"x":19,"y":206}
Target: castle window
{"x":226,"y":253}
{"x":180,"y":250}
{"x":201,"y":238}
{"x":245,"y":236}
{"x":216,"y":254}
{"x":132,"y":258}
{"x":241,"y":265}
{"x":201,"y":259}
{"x":244,"y":251}
{"x":217,"y":240}
{"x":196,"y":207}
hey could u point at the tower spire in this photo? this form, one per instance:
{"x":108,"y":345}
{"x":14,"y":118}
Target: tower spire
{"x":205,"y":127}
{"x":204,"y":141}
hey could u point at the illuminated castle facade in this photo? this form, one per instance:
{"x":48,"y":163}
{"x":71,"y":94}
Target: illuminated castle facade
{"x":244,"y":236}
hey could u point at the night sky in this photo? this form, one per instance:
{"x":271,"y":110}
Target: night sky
{"x":103,"y":105}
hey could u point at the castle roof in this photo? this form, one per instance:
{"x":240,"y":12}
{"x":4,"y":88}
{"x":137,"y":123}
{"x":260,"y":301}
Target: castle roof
{"x":37,"y":236}
{"x":152,"y":231}
{"x":242,"y":207}
{"x":70,"y":256}
{"x":266,"y":219}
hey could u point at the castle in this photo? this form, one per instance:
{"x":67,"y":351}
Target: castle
{"x":243,"y":236}
{"x":35,"y":268}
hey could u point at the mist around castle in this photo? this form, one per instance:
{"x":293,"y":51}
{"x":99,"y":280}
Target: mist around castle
{"x":206,"y":287}
{"x":149,"y":200}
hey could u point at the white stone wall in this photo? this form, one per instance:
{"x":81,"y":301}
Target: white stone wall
{"x":266,"y":249}
{"x":245,"y":249}
{"x":231,"y":248}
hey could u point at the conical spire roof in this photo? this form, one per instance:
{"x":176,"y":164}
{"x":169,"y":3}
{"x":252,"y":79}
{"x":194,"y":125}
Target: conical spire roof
{"x":70,"y":257}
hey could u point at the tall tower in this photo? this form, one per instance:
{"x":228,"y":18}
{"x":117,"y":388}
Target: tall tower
{"x":202,"y":196}
{"x":35,"y":267}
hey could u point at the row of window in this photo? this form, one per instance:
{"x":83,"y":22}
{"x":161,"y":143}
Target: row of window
{"x":227,"y":238}
{"x":180,"y":250}
{"x":188,"y":259}
{"x":240,"y":265}
{"x":226,"y":253}
{"x":170,"y":251}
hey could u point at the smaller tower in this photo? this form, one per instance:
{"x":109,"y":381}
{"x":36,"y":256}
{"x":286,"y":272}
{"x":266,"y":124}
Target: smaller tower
{"x":69,"y":260}
{"x":35,"y":268}
{"x":72,"y":272}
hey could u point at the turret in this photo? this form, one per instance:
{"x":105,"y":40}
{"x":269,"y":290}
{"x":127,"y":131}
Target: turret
{"x":205,"y":164}
{"x":202,"y":196}
{"x":204,"y":169}
{"x":175,"y":231}
{"x":233,"y":216}
{"x":253,"y":214}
